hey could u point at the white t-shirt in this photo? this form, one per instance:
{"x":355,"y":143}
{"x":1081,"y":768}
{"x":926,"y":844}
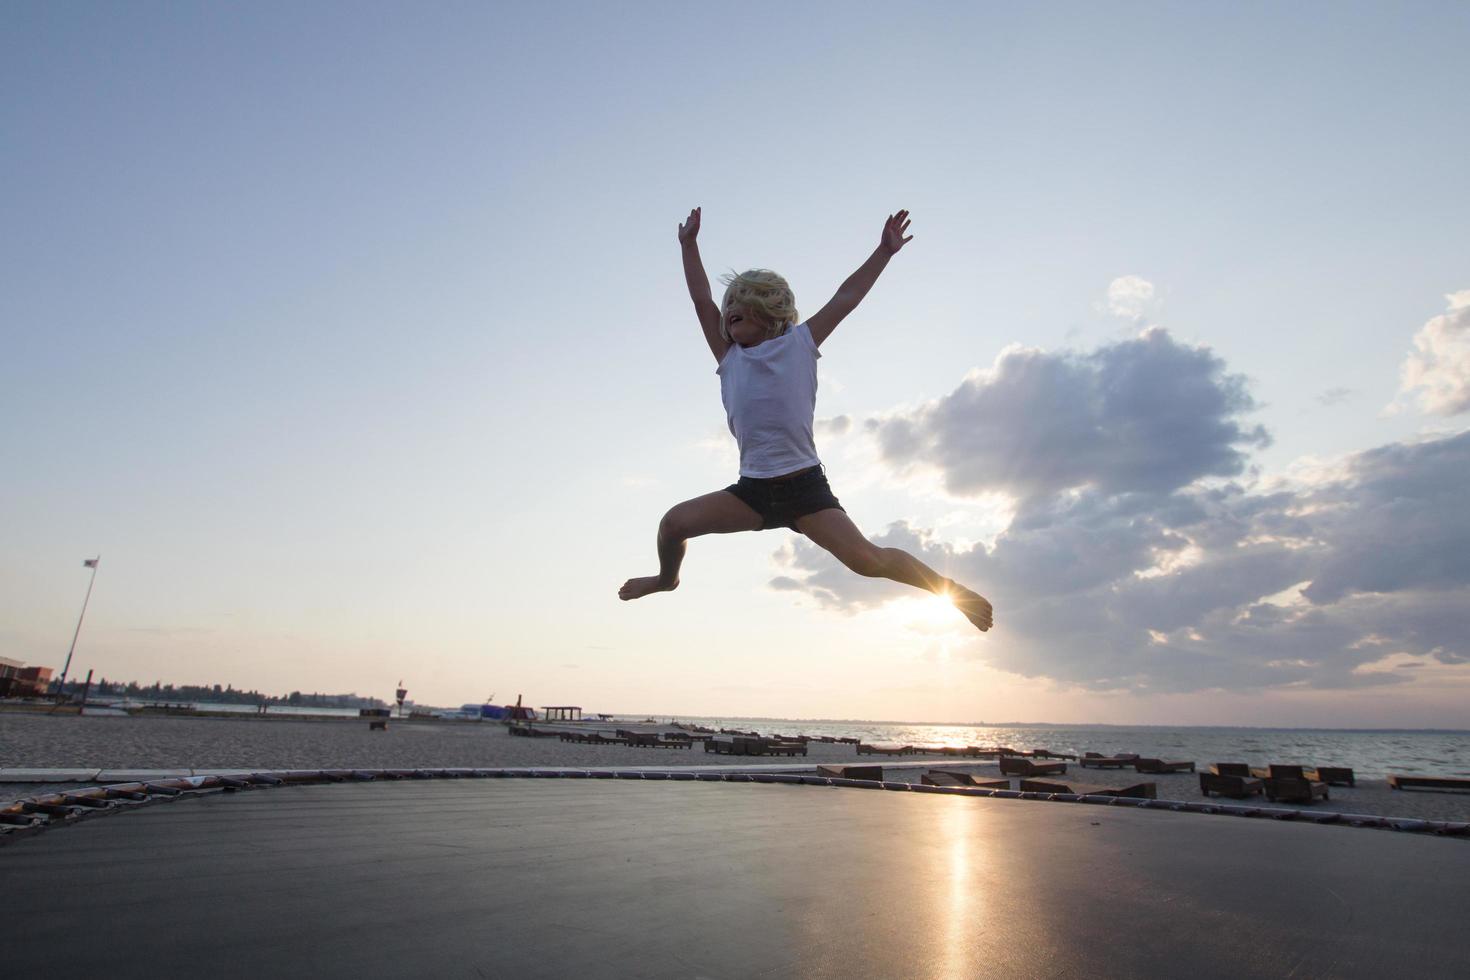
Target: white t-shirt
{"x":770,"y":396}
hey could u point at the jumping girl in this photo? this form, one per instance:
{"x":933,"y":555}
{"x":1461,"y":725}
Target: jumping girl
{"x":768,"y":382}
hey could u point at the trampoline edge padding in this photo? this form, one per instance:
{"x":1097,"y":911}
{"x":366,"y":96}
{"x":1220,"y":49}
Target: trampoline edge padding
{"x":33,"y":814}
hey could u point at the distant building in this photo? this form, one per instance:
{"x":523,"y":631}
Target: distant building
{"x":19,"y":681}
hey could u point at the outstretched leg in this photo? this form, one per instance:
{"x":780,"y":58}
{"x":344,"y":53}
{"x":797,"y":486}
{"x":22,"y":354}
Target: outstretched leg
{"x":720,"y":512}
{"x":833,"y":530}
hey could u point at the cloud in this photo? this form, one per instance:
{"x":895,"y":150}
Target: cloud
{"x":1130,"y":297}
{"x":1142,"y":556}
{"x":1147,"y":414}
{"x":1335,"y":396}
{"x":839,"y":425}
{"x":1437,"y":372}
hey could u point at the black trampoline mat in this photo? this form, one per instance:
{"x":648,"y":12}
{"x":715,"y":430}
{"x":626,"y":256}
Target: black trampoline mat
{"x":623,"y":878}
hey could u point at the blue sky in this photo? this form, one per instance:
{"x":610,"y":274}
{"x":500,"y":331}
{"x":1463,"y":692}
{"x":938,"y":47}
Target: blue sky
{"x":354,"y":337}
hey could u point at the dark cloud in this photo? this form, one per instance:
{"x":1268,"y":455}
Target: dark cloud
{"x":1144,"y":415}
{"x":1398,"y":521}
{"x":1130,"y":565}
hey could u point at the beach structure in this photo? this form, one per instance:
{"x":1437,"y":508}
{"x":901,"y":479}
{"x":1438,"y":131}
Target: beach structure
{"x":19,"y":681}
{"x":530,"y":855}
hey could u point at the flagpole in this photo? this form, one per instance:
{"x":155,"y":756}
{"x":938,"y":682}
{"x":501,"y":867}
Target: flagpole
{"x":61,"y":684}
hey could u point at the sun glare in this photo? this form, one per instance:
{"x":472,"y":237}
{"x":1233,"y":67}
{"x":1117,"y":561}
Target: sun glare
{"x":926,"y":614}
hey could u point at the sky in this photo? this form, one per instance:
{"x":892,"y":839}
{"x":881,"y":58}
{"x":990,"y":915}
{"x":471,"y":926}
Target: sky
{"x":354,"y":338}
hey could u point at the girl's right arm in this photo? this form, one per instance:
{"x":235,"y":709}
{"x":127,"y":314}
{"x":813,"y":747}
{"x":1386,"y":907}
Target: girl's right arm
{"x":698,"y":282}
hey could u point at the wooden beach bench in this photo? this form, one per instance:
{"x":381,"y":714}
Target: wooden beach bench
{"x":783,"y":747}
{"x":954,"y":751}
{"x":1013,"y":766}
{"x":1162,"y":766}
{"x":720,"y":746}
{"x":1442,"y":783}
{"x":753,"y":745}
{"x":1095,"y":760}
{"x":943,"y":777}
{"x":1140,"y":791}
{"x":639,"y":740}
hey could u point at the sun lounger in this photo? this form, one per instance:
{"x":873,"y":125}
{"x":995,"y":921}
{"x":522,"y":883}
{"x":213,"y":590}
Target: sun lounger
{"x":1234,"y":769}
{"x":1012,"y":766}
{"x":874,"y":773}
{"x":1162,"y":766}
{"x":1238,"y":787}
{"x":1294,"y":789}
{"x":884,"y":748}
{"x":1290,"y":783}
{"x":1140,"y":791}
{"x":1443,"y":783}
{"x":1277,"y":770}
{"x":1094,"y":760}
{"x":943,"y":777}
{"x":1333,"y":775}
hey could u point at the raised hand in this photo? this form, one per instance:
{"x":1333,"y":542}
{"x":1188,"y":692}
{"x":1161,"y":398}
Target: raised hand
{"x":893,"y":230}
{"x":689,"y":229}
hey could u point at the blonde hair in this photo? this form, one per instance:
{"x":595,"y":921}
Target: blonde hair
{"x":765,"y":294}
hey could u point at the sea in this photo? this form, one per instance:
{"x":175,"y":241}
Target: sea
{"x":1369,"y":752}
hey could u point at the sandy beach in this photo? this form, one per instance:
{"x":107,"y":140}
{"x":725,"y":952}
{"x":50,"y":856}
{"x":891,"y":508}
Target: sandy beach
{"x":65,"y":742}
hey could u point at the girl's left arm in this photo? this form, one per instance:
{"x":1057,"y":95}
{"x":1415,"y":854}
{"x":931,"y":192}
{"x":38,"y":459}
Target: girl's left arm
{"x":851,"y":292}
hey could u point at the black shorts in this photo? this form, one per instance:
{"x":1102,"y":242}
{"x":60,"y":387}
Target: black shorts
{"x":782,"y":500}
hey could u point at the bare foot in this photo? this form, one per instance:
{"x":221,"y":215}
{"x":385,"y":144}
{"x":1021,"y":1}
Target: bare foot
{"x":637,"y":588}
{"x":974,"y":605}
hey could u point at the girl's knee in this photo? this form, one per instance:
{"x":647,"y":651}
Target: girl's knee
{"x":673,"y":526}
